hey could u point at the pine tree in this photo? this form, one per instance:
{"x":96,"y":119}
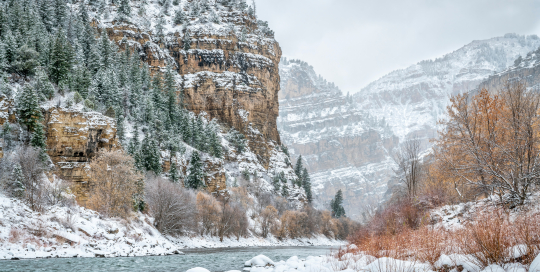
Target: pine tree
{"x":187,"y":41}
{"x":124,"y":11}
{"x":17,"y":181}
{"x":299,"y":167}
{"x":134,"y":142}
{"x":216,"y":149}
{"x":43,"y":86}
{"x":61,"y":58}
{"x":195,"y":179}
{"x":60,"y":12}
{"x":120,"y":128}
{"x":174,"y":174}
{"x":160,"y":27}
{"x":170,"y":90}
{"x":306,"y":184}
{"x":38,"y":137}
{"x":28,"y":108}
{"x":179,"y":17}
{"x":150,"y":154}
{"x":336,"y":205}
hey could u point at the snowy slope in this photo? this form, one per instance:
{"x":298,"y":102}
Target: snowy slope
{"x":412,"y":99}
{"x":343,"y":146}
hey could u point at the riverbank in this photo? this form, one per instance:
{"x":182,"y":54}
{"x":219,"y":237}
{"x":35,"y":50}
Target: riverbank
{"x":62,"y":232}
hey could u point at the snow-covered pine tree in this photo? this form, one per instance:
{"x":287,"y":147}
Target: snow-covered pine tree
{"x":187,"y":41}
{"x":174,"y":173}
{"x":160,"y":26}
{"x":150,"y":155}
{"x":120,"y":128}
{"x":179,"y":17}
{"x":17,"y":181}
{"x":29,"y":112}
{"x":298,"y":167}
{"x":306,"y":184}
{"x":216,"y":149}
{"x":43,"y":86}
{"x":336,"y":205}
{"x":195,"y":178}
{"x":60,"y":59}
{"x":38,"y":139}
{"x":124,"y":10}
{"x":134,"y":142}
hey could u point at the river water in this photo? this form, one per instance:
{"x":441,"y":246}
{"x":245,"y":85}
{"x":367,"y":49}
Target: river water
{"x":215,"y":260}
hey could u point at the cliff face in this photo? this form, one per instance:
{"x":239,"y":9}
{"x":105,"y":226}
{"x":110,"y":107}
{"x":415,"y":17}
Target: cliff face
{"x":231,"y":70}
{"x":75,"y":137}
{"x":527,"y":69}
{"x":342,"y":146}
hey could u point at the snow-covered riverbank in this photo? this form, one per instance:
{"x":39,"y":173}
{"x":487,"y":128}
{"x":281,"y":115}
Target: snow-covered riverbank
{"x":61,"y":232}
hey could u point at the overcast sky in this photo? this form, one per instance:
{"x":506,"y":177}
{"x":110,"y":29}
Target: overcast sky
{"x":353,"y":42}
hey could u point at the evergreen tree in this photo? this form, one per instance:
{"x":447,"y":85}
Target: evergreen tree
{"x":179,"y":17}
{"x":174,"y":174}
{"x":28,"y":108}
{"x":216,"y":149}
{"x":120,"y":128}
{"x":187,"y":41}
{"x":276,"y":182}
{"x":160,"y":27}
{"x":134,"y":142}
{"x":150,"y":155}
{"x":170,"y":90}
{"x":195,"y":179}
{"x":38,"y":137}
{"x":124,"y":11}
{"x":17,"y":181}
{"x":299,"y":167}
{"x":306,"y":184}
{"x":336,"y":205}
{"x":43,"y":86}
{"x":60,"y":60}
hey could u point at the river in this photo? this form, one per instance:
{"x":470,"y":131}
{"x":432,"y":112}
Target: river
{"x":215,"y":260}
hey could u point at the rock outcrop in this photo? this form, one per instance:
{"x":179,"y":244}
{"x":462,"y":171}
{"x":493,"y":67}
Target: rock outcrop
{"x":232,"y":77}
{"x":525,"y":68}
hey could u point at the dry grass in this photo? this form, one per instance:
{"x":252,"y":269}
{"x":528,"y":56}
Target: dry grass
{"x":15,"y":235}
{"x":491,"y":238}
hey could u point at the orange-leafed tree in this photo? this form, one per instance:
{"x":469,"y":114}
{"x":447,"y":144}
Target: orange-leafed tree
{"x":490,"y":141}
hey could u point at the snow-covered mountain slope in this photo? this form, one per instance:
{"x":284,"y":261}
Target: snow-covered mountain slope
{"x":411,"y":100}
{"x":524,"y":68}
{"x":348,"y":142}
{"x":342,"y":145}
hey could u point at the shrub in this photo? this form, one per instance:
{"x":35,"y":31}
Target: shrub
{"x":208,"y":212}
{"x":113,"y":183}
{"x":172,"y":206}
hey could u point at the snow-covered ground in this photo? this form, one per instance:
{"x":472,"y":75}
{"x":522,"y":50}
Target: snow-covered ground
{"x":352,"y":262}
{"x":66,"y":232}
{"x":213,"y":242}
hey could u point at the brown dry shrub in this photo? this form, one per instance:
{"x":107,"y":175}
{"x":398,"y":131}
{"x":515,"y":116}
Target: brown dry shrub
{"x":208,"y":213}
{"x":15,"y":235}
{"x":113,"y":183}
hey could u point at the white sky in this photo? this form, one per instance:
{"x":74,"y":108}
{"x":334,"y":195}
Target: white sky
{"x":353,"y":42}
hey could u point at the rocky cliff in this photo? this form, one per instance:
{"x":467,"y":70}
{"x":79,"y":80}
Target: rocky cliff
{"x":230,"y":70}
{"x":342,"y":146}
{"x":524,"y":68}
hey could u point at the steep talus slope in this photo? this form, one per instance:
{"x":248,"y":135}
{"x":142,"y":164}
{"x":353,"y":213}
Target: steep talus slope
{"x":343,"y":147}
{"x":413,"y":99}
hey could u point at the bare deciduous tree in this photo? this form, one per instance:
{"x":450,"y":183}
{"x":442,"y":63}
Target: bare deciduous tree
{"x":172,"y":206}
{"x":409,"y":165}
{"x":268,"y":219}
